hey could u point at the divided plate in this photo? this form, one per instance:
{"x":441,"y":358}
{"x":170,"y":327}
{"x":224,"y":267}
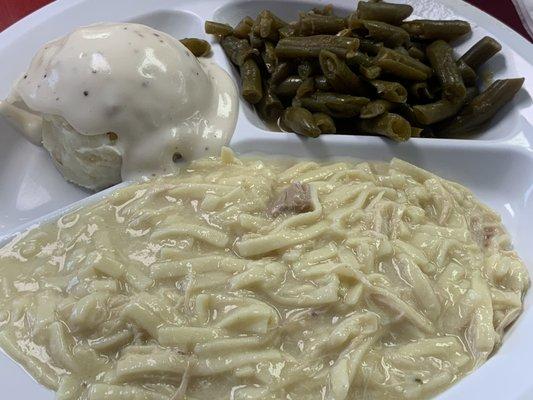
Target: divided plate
{"x":496,"y":165}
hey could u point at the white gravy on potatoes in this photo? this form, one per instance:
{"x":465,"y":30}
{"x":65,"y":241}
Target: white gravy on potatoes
{"x":263,"y":279}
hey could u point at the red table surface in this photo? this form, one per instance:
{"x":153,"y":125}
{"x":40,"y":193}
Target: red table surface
{"x":13,"y":10}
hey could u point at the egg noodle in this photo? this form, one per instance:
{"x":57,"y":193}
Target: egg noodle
{"x":393,"y":283}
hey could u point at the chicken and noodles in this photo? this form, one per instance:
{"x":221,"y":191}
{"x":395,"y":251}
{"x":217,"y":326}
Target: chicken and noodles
{"x":263,"y":279}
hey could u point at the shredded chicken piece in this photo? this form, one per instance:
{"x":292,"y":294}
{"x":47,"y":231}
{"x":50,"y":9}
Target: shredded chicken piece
{"x":296,"y":199}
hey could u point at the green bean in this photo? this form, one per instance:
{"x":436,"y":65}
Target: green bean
{"x":390,"y":35}
{"x":375,"y":108}
{"x":321,"y":83}
{"x":416,"y":53}
{"x":471,"y":93}
{"x":402,"y":50}
{"x":270,"y":107}
{"x":339,"y":76}
{"x":403,"y":66}
{"x":216,"y":28}
{"x":308,"y":68}
{"x":467,"y":73}
{"x":310,"y":46}
{"x":483,"y":107}
{"x":243,"y":28}
{"x":288,"y":87}
{"x":238,"y":50}
{"x":269,"y":57}
{"x":255,"y":41}
{"x":385,"y":12}
{"x":425,"y":29}
{"x":346,"y":32}
{"x":431,"y":113}
{"x":440,"y":56}
{"x":306,"y":88}
{"x":481,"y":52}
{"x":326,"y":10}
{"x":390,"y":125}
{"x":370,"y":47}
{"x":334,"y":104}
{"x":252,"y":88}
{"x":316,"y":24}
{"x":325,"y":123}
{"x":391,"y":91}
{"x":421,"y":92}
{"x":365,"y":64}
{"x":287,"y":31}
{"x":198,"y":47}
{"x":416,"y":132}
{"x":281,"y":71}
{"x":300,"y":121}
{"x":267,"y":25}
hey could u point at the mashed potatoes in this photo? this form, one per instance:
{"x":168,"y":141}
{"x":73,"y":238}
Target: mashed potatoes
{"x":119,"y":101}
{"x":263,"y":280}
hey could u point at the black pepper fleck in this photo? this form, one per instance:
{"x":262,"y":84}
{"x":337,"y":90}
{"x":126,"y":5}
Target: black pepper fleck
{"x":25,"y":76}
{"x":418,"y":380}
{"x":206,"y":148}
{"x":125,"y":28}
{"x":176,"y":157}
{"x":44,"y":76}
{"x":94,"y":71}
{"x":156,"y":34}
{"x":57,"y":98}
{"x":86,"y":93}
{"x":161,"y":41}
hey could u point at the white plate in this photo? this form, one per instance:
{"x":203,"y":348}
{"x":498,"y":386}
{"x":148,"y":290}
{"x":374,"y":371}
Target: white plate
{"x":498,"y":166}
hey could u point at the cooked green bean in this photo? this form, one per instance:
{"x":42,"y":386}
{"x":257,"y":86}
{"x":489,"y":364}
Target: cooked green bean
{"x":198,"y":47}
{"x":325,"y":123}
{"x":267,"y":25}
{"x":334,"y":104}
{"x":391,"y":91}
{"x":375,"y":108}
{"x":281,"y":71}
{"x":416,"y":132}
{"x":216,"y":28}
{"x":339,"y":76}
{"x":427,"y":114}
{"x":440,"y":56}
{"x":326,"y":10}
{"x":471,"y":93}
{"x":372,"y":72}
{"x":346,"y":32}
{"x":467,"y":73}
{"x":365,"y":64}
{"x":252,"y":87}
{"x":369,"y":46}
{"x":426,"y":29}
{"x":390,"y":125}
{"x":403,"y":66}
{"x":390,"y":35}
{"x":270,"y":107}
{"x":288,"y":87}
{"x":255,"y":41}
{"x":308,"y":68}
{"x":483,"y":107}
{"x":421,"y":92}
{"x":243,"y":28}
{"x":416,"y":53}
{"x":316,"y":24}
{"x":287,"y":31}
{"x":306,"y":88}
{"x":310,"y":46}
{"x":269,"y":57}
{"x":301,"y":121}
{"x":238,"y":50}
{"x":385,"y":12}
{"x":481,"y":52}
{"x":321,"y":83}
